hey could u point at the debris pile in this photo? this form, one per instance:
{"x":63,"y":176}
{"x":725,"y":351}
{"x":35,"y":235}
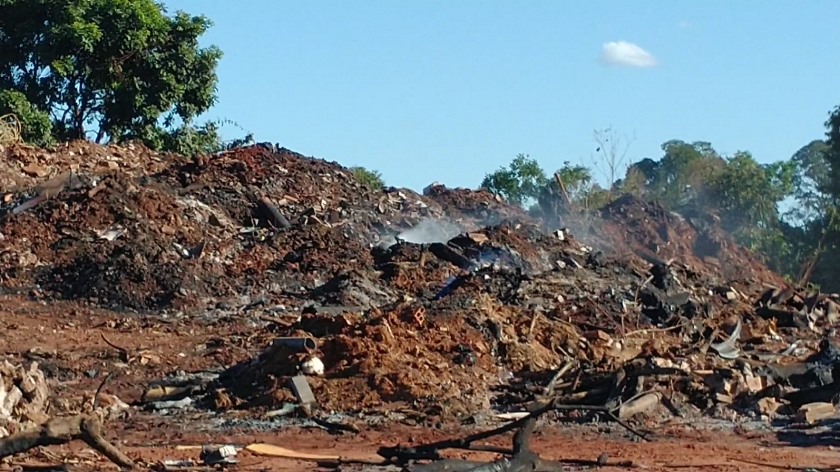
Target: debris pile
{"x":448,"y":303}
{"x":24,"y":397}
{"x":697,"y":241}
{"x":123,"y":227}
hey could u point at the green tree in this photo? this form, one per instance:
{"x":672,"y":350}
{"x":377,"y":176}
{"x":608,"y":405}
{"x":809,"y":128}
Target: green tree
{"x":583,"y":193}
{"x":35,"y":124}
{"x":831,"y":184}
{"x":695,"y":180}
{"x":683,"y":172}
{"x":576,"y":179}
{"x":749,"y":193}
{"x":810,"y":181}
{"x":369,"y":178}
{"x":519,"y":183}
{"x":634,"y":183}
{"x":117,"y":69}
{"x":819,"y":197}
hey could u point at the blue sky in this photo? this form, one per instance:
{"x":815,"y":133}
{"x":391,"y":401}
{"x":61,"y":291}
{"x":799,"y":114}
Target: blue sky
{"x":434,"y":90}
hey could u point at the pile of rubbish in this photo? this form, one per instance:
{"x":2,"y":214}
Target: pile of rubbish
{"x":24,"y":396}
{"x":123,"y":227}
{"x":448,"y":303}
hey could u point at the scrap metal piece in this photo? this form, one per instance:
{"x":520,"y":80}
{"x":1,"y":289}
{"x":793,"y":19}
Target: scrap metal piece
{"x":298,"y":343}
{"x":211,"y":455}
{"x":727,"y":349}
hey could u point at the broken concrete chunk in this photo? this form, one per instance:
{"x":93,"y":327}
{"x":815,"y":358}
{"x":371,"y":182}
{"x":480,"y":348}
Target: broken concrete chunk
{"x":303,"y":392}
{"x":768,"y":406}
{"x":813,"y":412}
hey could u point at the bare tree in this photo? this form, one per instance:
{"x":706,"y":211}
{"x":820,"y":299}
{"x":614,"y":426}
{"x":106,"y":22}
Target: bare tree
{"x":611,"y":154}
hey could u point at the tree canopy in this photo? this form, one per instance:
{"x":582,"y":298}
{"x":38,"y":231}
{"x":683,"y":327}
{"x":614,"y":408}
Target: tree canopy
{"x":106,"y":70}
{"x":691,"y":178}
{"x":519,"y":183}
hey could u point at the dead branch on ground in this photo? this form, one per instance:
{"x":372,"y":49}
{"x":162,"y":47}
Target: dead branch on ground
{"x":64,"y":429}
{"x":521,"y":458}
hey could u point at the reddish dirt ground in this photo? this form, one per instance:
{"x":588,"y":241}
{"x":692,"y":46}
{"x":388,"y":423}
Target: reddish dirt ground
{"x":689,"y":451}
{"x":66,"y":337}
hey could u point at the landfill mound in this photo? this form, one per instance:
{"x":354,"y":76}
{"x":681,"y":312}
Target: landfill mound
{"x":653,"y":232}
{"x":447,"y":303}
{"x":135,"y":229}
{"x":529,"y":304}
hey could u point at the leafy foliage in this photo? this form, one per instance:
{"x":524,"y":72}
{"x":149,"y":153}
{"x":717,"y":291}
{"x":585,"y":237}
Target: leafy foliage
{"x":830,"y":185}
{"x":519,"y":183}
{"x":369,"y":178}
{"x":818,"y":212}
{"x":524,"y":183}
{"x":691,"y":178}
{"x":36,"y":125}
{"x":117,"y":69}
{"x":810,"y":178}
{"x":749,"y":193}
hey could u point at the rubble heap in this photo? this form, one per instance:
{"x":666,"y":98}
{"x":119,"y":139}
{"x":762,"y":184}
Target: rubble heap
{"x":24,"y":397}
{"x":136,"y":229}
{"x":695,"y":241}
{"x":446,"y":303}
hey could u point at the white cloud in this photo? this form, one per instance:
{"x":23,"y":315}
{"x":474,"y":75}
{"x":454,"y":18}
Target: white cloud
{"x":622,"y":53}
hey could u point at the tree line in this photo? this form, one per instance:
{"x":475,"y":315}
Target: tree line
{"x":786,"y":212}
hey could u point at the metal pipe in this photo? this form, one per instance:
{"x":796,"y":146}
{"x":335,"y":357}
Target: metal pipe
{"x":301,"y":343}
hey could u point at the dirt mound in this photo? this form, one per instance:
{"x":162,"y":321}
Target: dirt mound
{"x":435,"y":302}
{"x":148,"y":231}
{"x":649,"y":230}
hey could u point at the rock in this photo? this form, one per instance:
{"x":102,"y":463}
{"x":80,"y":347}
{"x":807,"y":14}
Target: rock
{"x":312,"y":366}
{"x":35,"y":170}
{"x":768,"y":406}
{"x":813,"y":412}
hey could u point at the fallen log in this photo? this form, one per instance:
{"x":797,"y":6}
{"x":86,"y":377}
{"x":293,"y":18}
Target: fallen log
{"x":62,"y":430}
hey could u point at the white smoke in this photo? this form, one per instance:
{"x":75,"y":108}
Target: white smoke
{"x":427,"y":231}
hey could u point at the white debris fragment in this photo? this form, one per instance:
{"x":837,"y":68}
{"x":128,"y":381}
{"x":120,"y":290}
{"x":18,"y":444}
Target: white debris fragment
{"x":313,"y":366}
{"x":110,"y":234}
